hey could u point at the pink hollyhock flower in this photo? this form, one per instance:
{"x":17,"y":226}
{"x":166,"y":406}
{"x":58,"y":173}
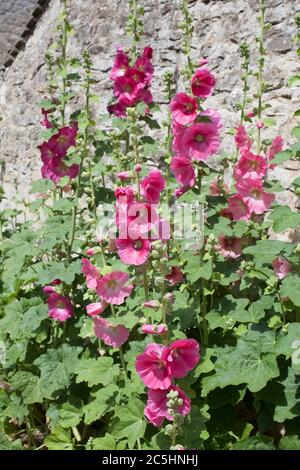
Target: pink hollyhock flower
{"x":135,"y":220}
{"x":210,"y":116}
{"x":251,"y":114}
{"x":45,"y":121}
{"x":121,"y":65}
{"x":203,"y":61}
{"x":152,"y":366}
{"x":92,"y":274}
{"x":238,"y":209}
{"x":259,"y":124}
{"x":66,"y":137}
{"x":138,"y":168}
{"x":112,"y":335}
{"x":118,"y":109}
{"x":156,"y":409}
{"x":91,"y":251}
{"x":152,"y":185}
{"x":124,"y":175}
{"x":57,"y":169}
{"x":96,"y":308}
{"x":135,"y":252}
{"x":184,"y":108}
{"x":183,"y":357}
{"x":152,"y":304}
{"x":126,"y":90}
{"x":125,"y":195}
{"x":250,"y":166}
{"x":281,"y":267}
{"x":275,"y":147}
{"x":175,"y":277}
{"x":230,"y":247}
{"x":48,"y":290}
{"x":143,"y":63}
{"x":242,"y":140}
{"x":253,"y":193}
{"x":144,"y":94}
{"x":60,"y":307}
{"x":155,"y":329}
{"x":183,"y":171}
{"x":203,"y":83}
{"x":180,"y":191}
{"x":112,"y":289}
{"x":198,"y":142}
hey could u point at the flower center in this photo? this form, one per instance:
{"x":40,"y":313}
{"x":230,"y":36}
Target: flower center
{"x":112,"y":284}
{"x":60,"y":304}
{"x":62,"y":139}
{"x":199,"y":138}
{"x":255,"y":193}
{"x":189,"y":107}
{"x":197,"y":82}
{"x":128,"y":88}
{"x":160,"y":364}
{"x":254,"y":164}
{"x":138,"y":245}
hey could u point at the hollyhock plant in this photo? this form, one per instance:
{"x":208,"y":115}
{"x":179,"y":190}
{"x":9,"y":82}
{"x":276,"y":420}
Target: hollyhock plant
{"x":282,"y":267}
{"x":198,"y":141}
{"x":154,"y":329}
{"x":252,"y":192}
{"x":183,"y":171}
{"x":184,"y":108}
{"x":231,"y":247}
{"x":92,"y":274}
{"x":60,"y":307}
{"x":203,"y":83}
{"x":135,"y":252}
{"x":112,"y":335}
{"x":96,"y":308}
{"x":153,"y":368}
{"x":112,"y":287}
{"x":156,"y":409}
{"x":183,"y":357}
{"x":152,"y":185}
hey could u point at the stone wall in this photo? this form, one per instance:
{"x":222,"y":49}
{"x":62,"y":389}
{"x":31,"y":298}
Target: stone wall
{"x":220,"y":26}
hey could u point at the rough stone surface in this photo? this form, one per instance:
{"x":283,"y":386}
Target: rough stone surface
{"x":14,"y":14}
{"x":220,"y":26}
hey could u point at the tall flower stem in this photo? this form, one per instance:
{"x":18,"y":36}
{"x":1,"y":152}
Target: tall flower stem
{"x":202,"y":299}
{"x":64,"y":60}
{"x":261,"y":64}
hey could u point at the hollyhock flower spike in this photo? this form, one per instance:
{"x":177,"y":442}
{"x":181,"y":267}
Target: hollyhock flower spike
{"x":113,"y":289}
{"x":183,"y":357}
{"x":282,"y":267}
{"x":60,"y":307}
{"x":152,"y":185}
{"x":203,"y":83}
{"x":95,"y":309}
{"x":152,"y":367}
{"x":184,"y":108}
{"x":156,"y":409}
{"x":92,"y":274}
{"x":112,"y":335}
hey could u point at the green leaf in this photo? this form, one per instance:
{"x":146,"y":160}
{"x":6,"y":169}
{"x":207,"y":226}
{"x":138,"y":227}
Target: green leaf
{"x":59,"y":439}
{"x":227,"y":311}
{"x":104,"y":401}
{"x":254,"y":443}
{"x":67,"y":414}
{"x":131,"y":424}
{"x":265,"y":251}
{"x":252,"y":362}
{"x":289,"y":443}
{"x":30,"y":386}
{"x":282,"y":157}
{"x":291,"y":288}
{"x":6,"y":444}
{"x":57,"y":367}
{"x":294,"y":81}
{"x":283,"y":218}
{"x":107,"y":442}
{"x":96,"y":371}
{"x":289,"y":344}
{"x":296,"y":132}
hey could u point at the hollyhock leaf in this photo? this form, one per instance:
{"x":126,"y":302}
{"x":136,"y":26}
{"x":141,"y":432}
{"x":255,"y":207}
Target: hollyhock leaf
{"x":183,"y":311}
{"x":33,"y":389}
{"x":254,"y":443}
{"x":289,"y":443}
{"x":41,"y":186}
{"x":194,"y":433}
{"x":125,"y":317}
{"x":282,"y":157}
{"x":57,"y":366}
{"x":7,"y":444}
{"x":284,"y":393}
{"x":252,"y":362}
{"x":296,"y":132}
{"x":46,"y":273}
{"x":296,"y":113}
{"x":294,"y":81}
{"x":265,"y":251}
{"x":22,"y":318}
{"x":131,"y":423}
{"x":104,"y":401}
{"x":152,"y":123}
{"x":258,"y":309}
{"x":160,"y":441}
{"x":96,"y":371}
{"x":59,"y":439}
{"x":289,"y":344}
{"x":291,"y":288}
{"x":226,"y":273}
{"x":150,"y":146}
{"x":104,"y":443}
{"x":227,"y":311}
{"x":67,"y":414}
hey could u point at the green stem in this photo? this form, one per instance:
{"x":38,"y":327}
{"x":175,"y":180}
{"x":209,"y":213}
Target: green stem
{"x":64,"y":60}
{"x":260,"y":69}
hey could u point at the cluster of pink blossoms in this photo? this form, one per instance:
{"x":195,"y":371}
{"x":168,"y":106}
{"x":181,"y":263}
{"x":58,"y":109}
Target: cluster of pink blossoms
{"x":196,"y":131}
{"x":250,"y":172}
{"x":137,"y":220}
{"x":131,"y":84}
{"x":112,"y":288}
{"x":158,"y":366}
{"x":54,"y":152}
